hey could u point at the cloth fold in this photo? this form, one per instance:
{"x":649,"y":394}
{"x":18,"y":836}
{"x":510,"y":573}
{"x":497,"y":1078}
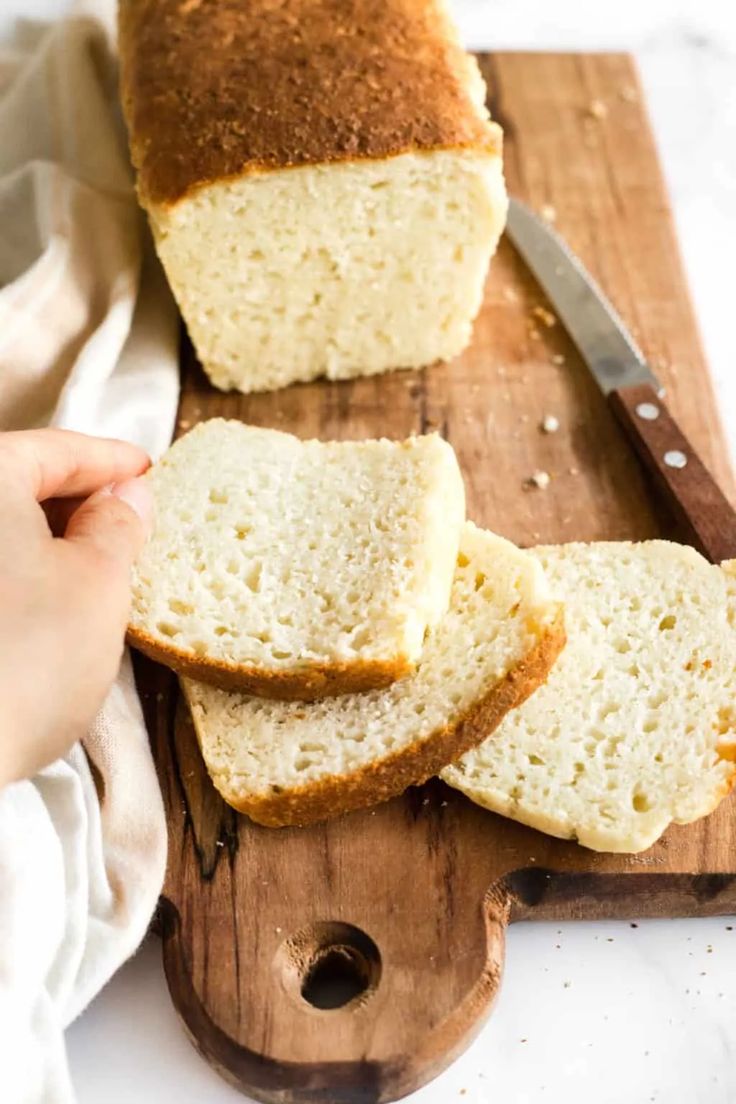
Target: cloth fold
{"x":88,"y":341}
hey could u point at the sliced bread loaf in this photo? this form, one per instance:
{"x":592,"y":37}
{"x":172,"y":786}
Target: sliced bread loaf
{"x":296,"y":569}
{"x":323,"y":182}
{"x":636,"y":727}
{"x":285,"y":763}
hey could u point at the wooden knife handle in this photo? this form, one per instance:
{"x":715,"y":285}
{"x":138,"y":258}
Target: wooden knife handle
{"x":690,"y":489}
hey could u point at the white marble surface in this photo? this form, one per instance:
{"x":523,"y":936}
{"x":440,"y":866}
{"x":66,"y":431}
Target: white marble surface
{"x":601,"y":1011}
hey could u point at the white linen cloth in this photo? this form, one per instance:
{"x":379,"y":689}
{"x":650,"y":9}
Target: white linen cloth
{"x":88,"y":341}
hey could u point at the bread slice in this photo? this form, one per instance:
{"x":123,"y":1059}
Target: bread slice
{"x":296,"y":569}
{"x":283,"y":763}
{"x":636,"y":727}
{"x":322,"y":179}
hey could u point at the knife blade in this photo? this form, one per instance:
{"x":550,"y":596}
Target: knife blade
{"x":634,"y":393}
{"x":603,"y":341}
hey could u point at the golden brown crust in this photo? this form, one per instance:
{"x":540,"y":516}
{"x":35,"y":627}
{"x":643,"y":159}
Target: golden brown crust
{"x":212,"y":89}
{"x":390,"y":776}
{"x":307,"y":684}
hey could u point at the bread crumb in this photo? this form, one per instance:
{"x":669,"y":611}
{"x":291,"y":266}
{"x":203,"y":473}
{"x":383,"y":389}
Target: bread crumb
{"x":597,"y":109}
{"x":629,"y":94}
{"x":510,"y":295}
{"x":548,"y":213}
{"x":545,"y":316}
{"x":558,"y":358}
{"x":550,"y":424}
{"x":184,"y":423}
{"x":540,"y":480}
{"x":534,"y":333}
{"x":573,"y":471}
{"x":278,"y":930}
{"x":220,"y":843}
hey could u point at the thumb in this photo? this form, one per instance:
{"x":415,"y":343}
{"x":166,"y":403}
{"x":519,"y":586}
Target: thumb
{"x":114,"y":522}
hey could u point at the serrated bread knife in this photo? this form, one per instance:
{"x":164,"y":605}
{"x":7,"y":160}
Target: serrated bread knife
{"x":633,"y":391}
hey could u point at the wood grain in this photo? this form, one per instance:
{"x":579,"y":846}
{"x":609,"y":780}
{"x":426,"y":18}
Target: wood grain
{"x":428,"y":880}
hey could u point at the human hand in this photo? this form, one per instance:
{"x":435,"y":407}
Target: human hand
{"x":72,"y":518}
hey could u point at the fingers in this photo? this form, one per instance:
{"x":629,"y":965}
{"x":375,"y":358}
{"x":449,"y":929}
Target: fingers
{"x":114,"y":522}
{"x":58,"y":511}
{"x":58,"y":463}
{"x":91,"y":565}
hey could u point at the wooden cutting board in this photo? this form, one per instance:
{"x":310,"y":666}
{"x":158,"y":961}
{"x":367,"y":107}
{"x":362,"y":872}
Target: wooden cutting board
{"x":402,"y":911}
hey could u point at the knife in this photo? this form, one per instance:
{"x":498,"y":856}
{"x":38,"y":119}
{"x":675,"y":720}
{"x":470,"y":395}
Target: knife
{"x":633,"y":391}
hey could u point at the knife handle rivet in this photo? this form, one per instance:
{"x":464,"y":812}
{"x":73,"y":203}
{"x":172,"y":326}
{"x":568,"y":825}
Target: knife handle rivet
{"x":675,"y":459}
{"x":648,"y":411}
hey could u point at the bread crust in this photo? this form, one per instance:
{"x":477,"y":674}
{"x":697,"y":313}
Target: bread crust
{"x":377,"y":782}
{"x":214,"y":89}
{"x":321,"y":680}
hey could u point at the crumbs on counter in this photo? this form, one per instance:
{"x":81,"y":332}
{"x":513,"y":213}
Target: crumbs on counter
{"x":539,"y":479}
{"x":597,"y":109}
{"x":545,"y":316}
{"x":549,"y":424}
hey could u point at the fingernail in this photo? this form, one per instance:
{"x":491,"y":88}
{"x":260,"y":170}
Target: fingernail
{"x":136,"y":493}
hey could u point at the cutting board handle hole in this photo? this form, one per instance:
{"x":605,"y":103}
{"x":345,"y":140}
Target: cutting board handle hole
{"x":330,"y":965}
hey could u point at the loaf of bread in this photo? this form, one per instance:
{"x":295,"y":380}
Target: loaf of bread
{"x":287,"y":763}
{"x":321,"y":176}
{"x":636,"y":726}
{"x":296,"y":569}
